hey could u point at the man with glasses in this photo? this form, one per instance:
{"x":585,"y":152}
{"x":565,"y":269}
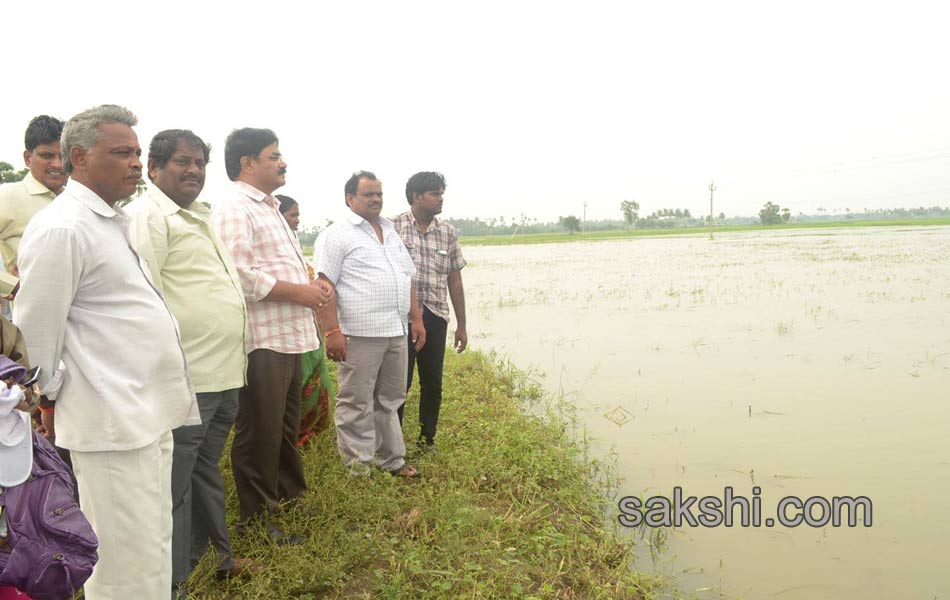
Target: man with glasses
{"x":366,"y":328}
{"x":268,"y":469}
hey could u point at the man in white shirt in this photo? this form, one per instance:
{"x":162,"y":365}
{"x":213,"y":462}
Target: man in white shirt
{"x":365,"y":260}
{"x":171,"y":231}
{"x":87,"y":301}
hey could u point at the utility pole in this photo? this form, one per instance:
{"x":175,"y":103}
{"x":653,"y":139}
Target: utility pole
{"x":584,"y":220}
{"x":712,"y":188}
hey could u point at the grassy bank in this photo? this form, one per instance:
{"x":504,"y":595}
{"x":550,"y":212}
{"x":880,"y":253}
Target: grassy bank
{"x":504,"y":510}
{"x":549,"y":238}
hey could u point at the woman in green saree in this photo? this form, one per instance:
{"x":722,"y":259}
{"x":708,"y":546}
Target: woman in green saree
{"x":317,"y":387}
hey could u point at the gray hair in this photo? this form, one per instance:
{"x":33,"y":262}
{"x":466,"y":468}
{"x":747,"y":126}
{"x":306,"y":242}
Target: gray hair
{"x":82,"y":130}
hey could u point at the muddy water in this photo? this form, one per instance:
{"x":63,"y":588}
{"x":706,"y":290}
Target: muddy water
{"x":807,"y":363}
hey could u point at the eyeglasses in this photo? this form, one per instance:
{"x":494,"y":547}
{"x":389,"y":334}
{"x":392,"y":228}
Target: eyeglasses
{"x":275,"y":156}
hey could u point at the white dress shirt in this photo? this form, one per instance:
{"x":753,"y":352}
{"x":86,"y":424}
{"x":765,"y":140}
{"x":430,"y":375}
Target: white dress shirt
{"x":87,"y":301}
{"x":373,"y":281}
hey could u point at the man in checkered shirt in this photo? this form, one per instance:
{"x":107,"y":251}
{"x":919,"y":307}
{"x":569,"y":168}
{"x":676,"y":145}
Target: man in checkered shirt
{"x":268,"y":469}
{"x":366,"y":328}
{"x":434,"y":247}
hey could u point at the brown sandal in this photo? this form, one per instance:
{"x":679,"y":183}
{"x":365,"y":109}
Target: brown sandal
{"x":407,"y":471}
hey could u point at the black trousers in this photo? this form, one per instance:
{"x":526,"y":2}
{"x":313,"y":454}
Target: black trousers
{"x":430,"y":360}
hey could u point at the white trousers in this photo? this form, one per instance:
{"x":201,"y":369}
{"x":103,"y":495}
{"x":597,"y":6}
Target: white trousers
{"x":126,"y":495}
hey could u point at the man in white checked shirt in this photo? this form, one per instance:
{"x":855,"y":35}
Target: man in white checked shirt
{"x":365,"y":260}
{"x":268,"y":470}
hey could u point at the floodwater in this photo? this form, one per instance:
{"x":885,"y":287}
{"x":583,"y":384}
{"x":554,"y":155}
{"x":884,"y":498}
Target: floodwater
{"x":807,"y":363}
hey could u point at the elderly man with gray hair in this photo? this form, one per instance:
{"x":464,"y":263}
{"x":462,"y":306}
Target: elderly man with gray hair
{"x":87,"y":301}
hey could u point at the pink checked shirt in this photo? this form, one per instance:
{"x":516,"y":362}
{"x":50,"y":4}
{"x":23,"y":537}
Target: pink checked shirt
{"x":265,"y":250}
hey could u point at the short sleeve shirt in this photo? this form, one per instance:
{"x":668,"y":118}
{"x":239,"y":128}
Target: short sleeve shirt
{"x":372,"y":279}
{"x":435,"y":253}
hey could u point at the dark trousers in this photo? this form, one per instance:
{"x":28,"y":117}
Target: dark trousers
{"x":64,"y":454}
{"x":268,"y":468}
{"x":430,"y":360}
{"x":197,"y":488}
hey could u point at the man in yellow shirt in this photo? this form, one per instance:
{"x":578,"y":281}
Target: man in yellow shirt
{"x":20,"y":200}
{"x":171,"y":231}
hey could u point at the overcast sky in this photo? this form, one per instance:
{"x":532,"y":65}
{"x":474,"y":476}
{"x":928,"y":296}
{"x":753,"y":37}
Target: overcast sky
{"x":526,"y":107}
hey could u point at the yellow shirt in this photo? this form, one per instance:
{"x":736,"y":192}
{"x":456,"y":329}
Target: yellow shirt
{"x":19,"y":201}
{"x":12,"y":344}
{"x":193,"y":270}
{"x":7,"y":283}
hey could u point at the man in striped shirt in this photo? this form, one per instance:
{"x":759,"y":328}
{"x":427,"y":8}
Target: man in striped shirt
{"x":366,"y":328}
{"x":268,"y":469}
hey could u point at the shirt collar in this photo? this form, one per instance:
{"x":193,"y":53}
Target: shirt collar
{"x":91,"y":199}
{"x":165,"y":204}
{"x":383,"y":222}
{"x":35,"y":188}
{"x":255,"y":194}
{"x":432,"y":225}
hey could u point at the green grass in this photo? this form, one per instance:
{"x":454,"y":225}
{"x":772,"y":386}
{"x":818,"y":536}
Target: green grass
{"x":510,"y":507}
{"x":548,"y":238}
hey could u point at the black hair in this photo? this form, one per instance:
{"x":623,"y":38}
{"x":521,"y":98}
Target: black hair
{"x":43,"y":129}
{"x":425,"y":181}
{"x":245,"y":142}
{"x":354,"y":182}
{"x":165,"y":143}
{"x":286,"y":203}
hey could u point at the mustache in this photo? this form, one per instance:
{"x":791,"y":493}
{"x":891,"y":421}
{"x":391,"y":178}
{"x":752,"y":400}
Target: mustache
{"x":281,"y":171}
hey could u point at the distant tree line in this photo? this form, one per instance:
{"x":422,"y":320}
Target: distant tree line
{"x":875,"y":214}
{"x":482,"y":227}
{"x":669,"y":218}
{"x":665,"y":218}
{"x":772,"y":214}
{"x":570,"y":222}
{"x":8,"y":174}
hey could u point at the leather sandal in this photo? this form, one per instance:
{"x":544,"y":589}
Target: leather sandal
{"x":407,"y":471}
{"x":242,"y":567}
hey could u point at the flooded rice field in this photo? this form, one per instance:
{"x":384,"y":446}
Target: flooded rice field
{"x":809,"y":363}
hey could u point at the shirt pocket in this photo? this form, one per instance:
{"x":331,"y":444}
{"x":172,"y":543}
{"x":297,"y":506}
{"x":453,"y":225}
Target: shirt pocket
{"x":438,"y":259}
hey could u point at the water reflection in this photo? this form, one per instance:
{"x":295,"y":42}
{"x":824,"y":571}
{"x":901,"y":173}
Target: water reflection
{"x":804,"y":362}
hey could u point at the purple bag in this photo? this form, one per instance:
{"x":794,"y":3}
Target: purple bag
{"x":50,"y":548}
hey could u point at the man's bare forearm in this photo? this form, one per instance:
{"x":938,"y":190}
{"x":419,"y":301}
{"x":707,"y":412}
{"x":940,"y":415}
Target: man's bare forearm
{"x":457,"y":294}
{"x":415,"y":313}
{"x":284,"y":292}
{"x":327,"y":317}
{"x":302,"y":294}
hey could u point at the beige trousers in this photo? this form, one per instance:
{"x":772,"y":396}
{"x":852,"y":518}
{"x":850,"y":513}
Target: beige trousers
{"x":372,"y":386}
{"x":126,"y":495}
